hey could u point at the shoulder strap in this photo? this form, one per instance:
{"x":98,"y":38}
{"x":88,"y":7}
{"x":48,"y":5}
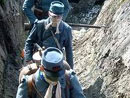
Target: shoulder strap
{"x":68,"y":86}
{"x":67,"y":76}
{"x":56,"y":41}
{"x":43,"y":31}
{"x":32,"y":87}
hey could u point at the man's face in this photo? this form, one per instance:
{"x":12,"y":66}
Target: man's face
{"x":55,"y":18}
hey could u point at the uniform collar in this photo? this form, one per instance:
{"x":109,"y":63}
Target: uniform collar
{"x":60,"y":26}
{"x":62,"y":79}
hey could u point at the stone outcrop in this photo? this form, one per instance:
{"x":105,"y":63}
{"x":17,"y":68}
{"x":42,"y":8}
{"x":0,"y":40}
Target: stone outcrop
{"x":11,"y":41}
{"x":102,"y":59}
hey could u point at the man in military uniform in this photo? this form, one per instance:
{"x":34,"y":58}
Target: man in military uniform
{"x":51,"y":79}
{"x":41,"y":8}
{"x":49,"y":32}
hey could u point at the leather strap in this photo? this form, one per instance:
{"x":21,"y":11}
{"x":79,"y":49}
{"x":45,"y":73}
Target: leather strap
{"x":32,"y":86}
{"x":56,"y":40}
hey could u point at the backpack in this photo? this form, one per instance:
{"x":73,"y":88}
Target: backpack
{"x":33,"y":90}
{"x":31,"y":69}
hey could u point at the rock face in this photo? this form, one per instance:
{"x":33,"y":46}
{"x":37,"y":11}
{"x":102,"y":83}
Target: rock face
{"x":11,"y":37}
{"x":102,"y":56}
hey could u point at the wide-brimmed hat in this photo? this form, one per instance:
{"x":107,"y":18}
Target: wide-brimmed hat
{"x":52,"y":61}
{"x":56,"y":8}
